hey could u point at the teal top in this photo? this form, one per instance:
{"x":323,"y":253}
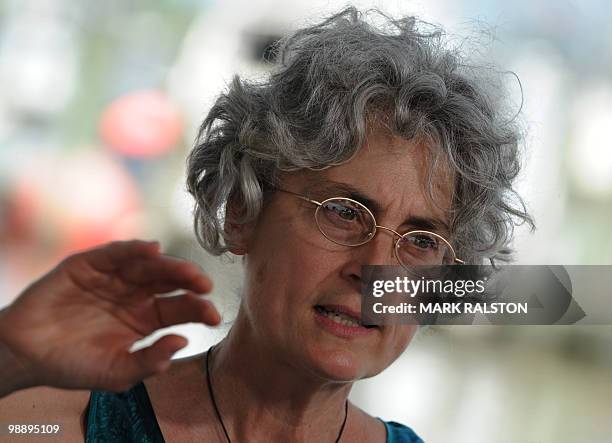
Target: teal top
{"x":128,"y":417}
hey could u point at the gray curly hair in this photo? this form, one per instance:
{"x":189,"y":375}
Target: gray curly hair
{"x":330,"y":82}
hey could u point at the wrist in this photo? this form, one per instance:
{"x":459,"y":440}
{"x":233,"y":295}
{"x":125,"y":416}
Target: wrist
{"x":15,"y":374}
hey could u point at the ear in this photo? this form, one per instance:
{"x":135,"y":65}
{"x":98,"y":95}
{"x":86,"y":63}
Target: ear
{"x":238,"y":234}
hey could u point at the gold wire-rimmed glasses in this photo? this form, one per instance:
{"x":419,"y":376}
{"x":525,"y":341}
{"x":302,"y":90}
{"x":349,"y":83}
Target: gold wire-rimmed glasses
{"x":347,"y":222}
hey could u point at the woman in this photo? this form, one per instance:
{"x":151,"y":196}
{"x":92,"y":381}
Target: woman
{"x":352,"y":117}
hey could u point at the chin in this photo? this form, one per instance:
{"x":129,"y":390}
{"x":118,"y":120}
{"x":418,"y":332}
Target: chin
{"x":339,"y":365}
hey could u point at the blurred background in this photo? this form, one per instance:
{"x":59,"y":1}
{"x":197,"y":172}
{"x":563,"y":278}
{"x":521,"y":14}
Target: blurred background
{"x":100,"y":102}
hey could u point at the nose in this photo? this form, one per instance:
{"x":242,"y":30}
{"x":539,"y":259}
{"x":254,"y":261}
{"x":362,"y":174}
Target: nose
{"x":378,"y":251}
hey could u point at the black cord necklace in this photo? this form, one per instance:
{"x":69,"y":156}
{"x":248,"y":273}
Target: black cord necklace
{"x":214,"y":403}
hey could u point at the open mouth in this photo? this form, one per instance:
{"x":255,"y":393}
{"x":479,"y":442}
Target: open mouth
{"x":341,"y":317}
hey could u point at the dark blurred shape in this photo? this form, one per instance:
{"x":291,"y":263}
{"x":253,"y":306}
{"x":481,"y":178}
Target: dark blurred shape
{"x":264,"y":47}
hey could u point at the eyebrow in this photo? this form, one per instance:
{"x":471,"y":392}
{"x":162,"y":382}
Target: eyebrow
{"x":336,"y":189}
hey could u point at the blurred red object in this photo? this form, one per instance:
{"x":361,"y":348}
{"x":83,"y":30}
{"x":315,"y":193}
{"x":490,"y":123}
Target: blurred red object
{"x":63,"y":203}
{"x":141,"y":124}
{"x":76,"y":201}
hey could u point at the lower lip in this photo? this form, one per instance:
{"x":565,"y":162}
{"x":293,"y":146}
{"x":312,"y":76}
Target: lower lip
{"x":341,"y":330}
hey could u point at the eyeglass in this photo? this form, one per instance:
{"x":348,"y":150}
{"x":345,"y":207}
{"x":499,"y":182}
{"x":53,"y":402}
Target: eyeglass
{"x":347,"y":222}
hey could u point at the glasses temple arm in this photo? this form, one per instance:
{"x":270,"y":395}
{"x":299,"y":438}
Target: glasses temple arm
{"x":303,"y":197}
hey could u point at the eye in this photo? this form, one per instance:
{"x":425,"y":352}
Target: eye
{"x":424,"y":241}
{"x":342,"y":211}
{"x":347,"y":214}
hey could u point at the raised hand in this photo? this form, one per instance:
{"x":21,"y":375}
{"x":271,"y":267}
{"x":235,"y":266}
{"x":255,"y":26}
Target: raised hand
{"x":73,"y":327}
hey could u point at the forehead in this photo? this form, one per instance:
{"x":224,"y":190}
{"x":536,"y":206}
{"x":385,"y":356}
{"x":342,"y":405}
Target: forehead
{"x":391,"y":172}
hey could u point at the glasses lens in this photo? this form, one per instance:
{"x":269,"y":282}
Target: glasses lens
{"x":345,"y":221}
{"x":422,"y":248}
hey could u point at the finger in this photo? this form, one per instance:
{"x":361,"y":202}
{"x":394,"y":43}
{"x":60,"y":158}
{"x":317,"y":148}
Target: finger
{"x":141,"y":276}
{"x":153,"y":359}
{"x":167,"y":269}
{"x":186,"y":308}
{"x":112,"y":256}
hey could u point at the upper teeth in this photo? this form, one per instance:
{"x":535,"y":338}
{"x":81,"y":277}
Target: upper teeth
{"x":338,"y":317}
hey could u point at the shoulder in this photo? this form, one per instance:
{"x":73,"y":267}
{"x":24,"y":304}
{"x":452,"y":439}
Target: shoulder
{"x":399,"y":433}
{"x":122,"y":416}
{"x":375,"y":429}
{"x":43,"y":404}
{"x":132,"y":415}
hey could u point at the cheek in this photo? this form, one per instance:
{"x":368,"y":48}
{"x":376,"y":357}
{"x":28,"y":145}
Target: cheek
{"x":406,"y":334}
{"x":398,"y":341}
{"x":293,"y":259}
{"x":280,"y":293}
{"x":287,"y":283}
{"x":280,"y":285}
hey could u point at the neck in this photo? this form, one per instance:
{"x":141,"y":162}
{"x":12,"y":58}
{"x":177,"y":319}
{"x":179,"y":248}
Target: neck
{"x":262,"y":397}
